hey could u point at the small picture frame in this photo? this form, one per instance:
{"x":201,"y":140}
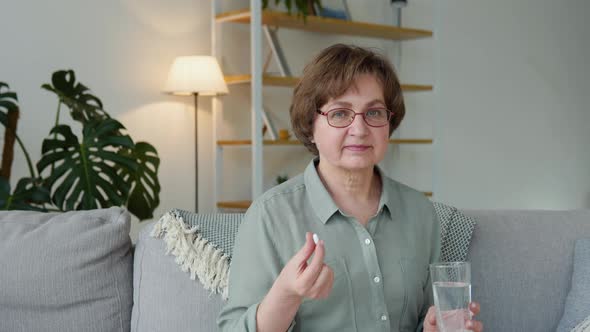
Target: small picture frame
{"x":336,"y":9}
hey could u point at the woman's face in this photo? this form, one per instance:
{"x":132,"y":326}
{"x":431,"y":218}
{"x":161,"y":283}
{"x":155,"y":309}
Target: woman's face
{"x":358,"y":146}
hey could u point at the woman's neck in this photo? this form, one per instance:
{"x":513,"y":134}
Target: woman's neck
{"x":350,"y":186}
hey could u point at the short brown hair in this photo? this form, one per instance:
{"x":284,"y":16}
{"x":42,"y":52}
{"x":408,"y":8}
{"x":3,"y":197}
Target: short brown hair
{"x":329,"y":75}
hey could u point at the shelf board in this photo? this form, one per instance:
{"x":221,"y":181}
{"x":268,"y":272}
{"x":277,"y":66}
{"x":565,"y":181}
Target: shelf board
{"x":291,"y":81}
{"x":246,"y":142}
{"x":249,"y":142}
{"x":288,"y":81}
{"x":244,"y":205}
{"x":326,"y":25}
{"x":412,"y":141}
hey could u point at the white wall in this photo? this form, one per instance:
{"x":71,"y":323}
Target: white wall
{"x":513,"y":115}
{"x":509,"y":113}
{"x":122,"y":51}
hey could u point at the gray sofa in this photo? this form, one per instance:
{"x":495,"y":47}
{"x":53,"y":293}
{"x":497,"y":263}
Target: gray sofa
{"x":76,"y":272}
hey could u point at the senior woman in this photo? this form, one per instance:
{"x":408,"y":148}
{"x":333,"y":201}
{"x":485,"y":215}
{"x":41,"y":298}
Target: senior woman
{"x":369,"y":270}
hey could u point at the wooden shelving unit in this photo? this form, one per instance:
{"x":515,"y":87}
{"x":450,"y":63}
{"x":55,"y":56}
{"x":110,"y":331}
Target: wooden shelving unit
{"x":258,"y":19}
{"x":291,"y":81}
{"x":326,"y":25}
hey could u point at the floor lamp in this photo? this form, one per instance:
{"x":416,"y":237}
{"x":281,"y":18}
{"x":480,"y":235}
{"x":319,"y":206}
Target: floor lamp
{"x":196,"y":75}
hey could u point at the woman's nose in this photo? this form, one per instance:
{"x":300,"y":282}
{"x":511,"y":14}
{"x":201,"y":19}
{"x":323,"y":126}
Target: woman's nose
{"x":358,"y":125}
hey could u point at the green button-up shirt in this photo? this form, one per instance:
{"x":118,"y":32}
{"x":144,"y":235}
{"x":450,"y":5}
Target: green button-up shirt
{"x":381,"y":279}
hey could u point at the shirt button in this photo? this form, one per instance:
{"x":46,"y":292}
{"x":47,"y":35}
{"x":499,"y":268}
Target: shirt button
{"x":367,"y":241}
{"x":383,"y":318}
{"x":376,"y":280}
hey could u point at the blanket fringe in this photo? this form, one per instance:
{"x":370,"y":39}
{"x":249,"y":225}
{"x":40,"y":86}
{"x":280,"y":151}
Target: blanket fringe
{"x":193,"y":253}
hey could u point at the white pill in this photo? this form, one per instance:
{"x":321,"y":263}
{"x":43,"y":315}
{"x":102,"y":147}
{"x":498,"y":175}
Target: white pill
{"x":316,"y":239}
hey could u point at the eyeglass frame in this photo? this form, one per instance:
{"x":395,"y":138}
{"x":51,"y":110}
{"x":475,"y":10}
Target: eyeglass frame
{"x":390,"y":113}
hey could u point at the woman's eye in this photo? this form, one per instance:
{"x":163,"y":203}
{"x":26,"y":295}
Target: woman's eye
{"x":374,"y":113}
{"x":339,"y":114}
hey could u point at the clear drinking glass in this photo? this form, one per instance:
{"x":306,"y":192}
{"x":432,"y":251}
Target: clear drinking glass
{"x":451,"y":286}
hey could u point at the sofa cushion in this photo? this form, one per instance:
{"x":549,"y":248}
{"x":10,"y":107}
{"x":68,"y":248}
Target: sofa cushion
{"x":521,"y":266}
{"x":577,"y":304}
{"x":65,"y":271}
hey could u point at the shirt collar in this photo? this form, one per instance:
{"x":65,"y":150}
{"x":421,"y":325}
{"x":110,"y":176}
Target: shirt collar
{"x":321,"y":201}
{"x":386,"y":191}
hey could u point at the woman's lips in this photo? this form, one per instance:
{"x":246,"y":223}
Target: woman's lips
{"x":357,"y":147}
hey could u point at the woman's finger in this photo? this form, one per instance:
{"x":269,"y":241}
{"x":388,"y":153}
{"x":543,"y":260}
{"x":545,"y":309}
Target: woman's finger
{"x":305,"y":252}
{"x":431,"y":316}
{"x":430,"y":320}
{"x":323,"y":284}
{"x":314,"y":268}
{"x":474,"y":308}
{"x":474,"y":325}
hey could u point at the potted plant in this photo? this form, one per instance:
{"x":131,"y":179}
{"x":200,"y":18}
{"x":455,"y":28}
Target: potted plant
{"x":103,"y":168}
{"x":302,"y":7}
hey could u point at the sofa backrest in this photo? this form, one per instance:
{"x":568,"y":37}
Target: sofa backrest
{"x":521,"y":265}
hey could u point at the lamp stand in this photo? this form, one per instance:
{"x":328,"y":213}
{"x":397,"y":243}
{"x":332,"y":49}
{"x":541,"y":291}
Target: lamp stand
{"x":196,"y":95}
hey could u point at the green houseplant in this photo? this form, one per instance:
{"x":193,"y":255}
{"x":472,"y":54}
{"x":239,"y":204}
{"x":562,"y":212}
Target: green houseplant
{"x":102,"y":168}
{"x":302,"y":7}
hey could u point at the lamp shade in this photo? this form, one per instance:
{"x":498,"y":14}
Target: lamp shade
{"x":195,"y":74}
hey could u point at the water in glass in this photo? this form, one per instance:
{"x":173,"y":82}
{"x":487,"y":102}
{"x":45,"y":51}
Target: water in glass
{"x":452,"y":299}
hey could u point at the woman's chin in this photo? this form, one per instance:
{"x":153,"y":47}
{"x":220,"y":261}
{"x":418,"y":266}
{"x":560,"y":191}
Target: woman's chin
{"x":358,"y":163}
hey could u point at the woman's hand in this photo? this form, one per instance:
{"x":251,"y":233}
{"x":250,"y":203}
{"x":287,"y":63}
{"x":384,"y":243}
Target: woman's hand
{"x":296,"y":281}
{"x":301,"y":280}
{"x":470,"y":324}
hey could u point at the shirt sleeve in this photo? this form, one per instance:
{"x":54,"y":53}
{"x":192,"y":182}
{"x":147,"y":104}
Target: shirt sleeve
{"x":434,"y":257}
{"x":254,"y":266}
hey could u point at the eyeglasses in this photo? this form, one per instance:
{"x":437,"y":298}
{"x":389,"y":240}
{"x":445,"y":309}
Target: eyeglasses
{"x":343,"y":117}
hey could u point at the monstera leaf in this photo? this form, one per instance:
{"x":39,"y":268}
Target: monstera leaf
{"x":28,"y":195}
{"x":8,"y":105}
{"x":8,"y":101}
{"x":145,"y":187}
{"x":83,"y":106}
{"x":85,"y":175}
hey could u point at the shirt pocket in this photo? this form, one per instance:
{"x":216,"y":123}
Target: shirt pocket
{"x":413,"y":282}
{"x":334,"y":313}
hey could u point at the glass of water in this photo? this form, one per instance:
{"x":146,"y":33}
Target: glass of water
{"x":451,"y":285}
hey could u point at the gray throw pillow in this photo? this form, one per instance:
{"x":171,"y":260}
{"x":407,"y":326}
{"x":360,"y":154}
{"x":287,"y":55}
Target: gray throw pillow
{"x":456,"y":230}
{"x":577,"y":303}
{"x":65,"y":271}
